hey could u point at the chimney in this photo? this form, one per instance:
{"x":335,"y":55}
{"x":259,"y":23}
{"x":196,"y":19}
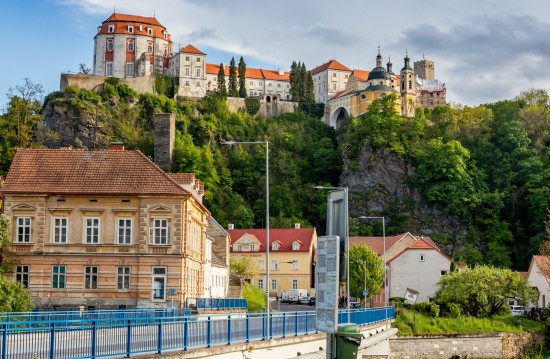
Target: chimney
{"x":281,"y":72}
{"x":116,"y":146}
{"x":164,"y":133}
{"x":296,"y":225}
{"x":230,"y":226}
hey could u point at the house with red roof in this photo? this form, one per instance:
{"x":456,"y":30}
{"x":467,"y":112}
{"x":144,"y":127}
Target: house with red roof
{"x":538,"y":277}
{"x":412,"y":263}
{"x":104,"y":228}
{"x":291,"y":256}
{"x":328,"y":79}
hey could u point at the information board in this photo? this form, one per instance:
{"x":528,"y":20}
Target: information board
{"x":326,"y":284}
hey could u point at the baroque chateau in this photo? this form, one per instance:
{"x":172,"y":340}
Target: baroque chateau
{"x":135,"y":49}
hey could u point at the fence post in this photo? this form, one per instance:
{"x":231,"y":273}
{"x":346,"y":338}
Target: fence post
{"x":185,"y":333}
{"x":296,"y":325}
{"x":159,"y":337}
{"x":248,"y":328}
{"x":307,"y":324}
{"x":208,"y":332}
{"x":94,"y":337}
{"x":52,"y":340}
{"x":4,"y":341}
{"x":129,"y":339}
{"x":284,"y":325}
{"x":229,"y":329}
{"x":264,"y":325}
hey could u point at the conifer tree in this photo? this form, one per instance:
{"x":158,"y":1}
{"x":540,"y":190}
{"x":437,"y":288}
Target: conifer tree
{"x":294,"y":81}
{"x":303,"y":82}
{"x":309,"y":95}
{"x":242,"y":77}
{"x":233,"y":92}
{"x":222,"y":89}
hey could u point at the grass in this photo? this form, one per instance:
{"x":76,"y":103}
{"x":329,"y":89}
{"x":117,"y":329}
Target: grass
{"x":411,"y":323}
{"x":255,"y":297}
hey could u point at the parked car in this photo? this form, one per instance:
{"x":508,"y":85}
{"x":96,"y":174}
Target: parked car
{"x":517,"y":310}
{"x":311,"y":301}
{"x":304,"y":300}
{"x":355,"y":305}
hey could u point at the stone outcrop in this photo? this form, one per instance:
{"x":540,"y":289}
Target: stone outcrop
{"x":381,"y":182}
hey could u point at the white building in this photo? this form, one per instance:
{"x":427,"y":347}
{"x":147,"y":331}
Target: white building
{"x":538,"y":276}
{"x":216,"y":269}
{"x":328,"y":79}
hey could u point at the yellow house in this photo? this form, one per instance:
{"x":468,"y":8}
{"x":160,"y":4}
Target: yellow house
{"x":291,"y":256}
{"x":105,"y":228}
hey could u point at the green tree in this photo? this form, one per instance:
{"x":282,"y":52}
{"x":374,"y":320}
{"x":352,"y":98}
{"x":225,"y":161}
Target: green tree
{"x":222,"y":88}
{"x":309,"y":96}
{"x":243,"y":267}
{"x":303,"y":88}
{"x":294,"y":80}
{"x":14,"y":297}
{"x":242,"y":77}
{"x":483,"y":290}
{"x":233,"y":91}
{"x":363,"y":258}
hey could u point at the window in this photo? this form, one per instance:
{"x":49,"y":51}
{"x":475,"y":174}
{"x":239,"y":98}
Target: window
{"x":109,"y":69}
{"x":110,"y":45}
{"x":111,"y":28}
{"x":334,"y":86}
{"x":130,"y":70}
{"x":131,"y":46}
{"x":410,"y":85}
{"x":159,"y":283}
{"x":422,"y":258}
{"x":274,"y":264}
{"x":149,"y":48}
{"x":124,"y":231}
{"x":60,"y":229}
{"x":186,"y":83}
{"x":269,"y":85}
{"x":443,"y":272}
{"x":90,"y":277}
{"x":22,"y":275}
{"x":294,"y":264}
{"x":197,"y":84}
{"x":260,"y":284}
{"x":274,"y":284}
{"x":278,"y":85}
{"x":149,"y":31}
{"x":346,"y":76}
{"x":252,"y":248}
{"x":123,"y":278}
{"x":91,"y":231}
{"x":334,"y":75}
{"x":58,"y":277}
{"x":198,"y":59}
{"x":198,"y":72}
{"x":160,"y":231}
{"x":252,"y":82}
{"x":261,"y":264}
{"x":295,"y":284}
{"x":239,"y":247}
{"x":130,"y":28}
{"x":187,"y":71}
{"x":23,"y":230}
{"x":295,"y":246}
{"x":275,"y":246}
{"x":186,"y":58}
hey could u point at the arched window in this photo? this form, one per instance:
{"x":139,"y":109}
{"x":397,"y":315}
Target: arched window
{"x":109,"y":45}
{"x":131,"y":46}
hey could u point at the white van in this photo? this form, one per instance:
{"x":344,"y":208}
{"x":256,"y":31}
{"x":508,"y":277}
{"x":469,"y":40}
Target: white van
{"x":295,"y":295}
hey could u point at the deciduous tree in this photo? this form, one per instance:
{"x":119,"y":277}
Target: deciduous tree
{"x":363,"y":258}
{"x":243,"y":267}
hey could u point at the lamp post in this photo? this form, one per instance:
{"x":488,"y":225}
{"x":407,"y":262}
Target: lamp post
{"x":365,"y":280}
{"x":384,"y":238}
{"x":266,"y":143}
{"x":346,"y":224}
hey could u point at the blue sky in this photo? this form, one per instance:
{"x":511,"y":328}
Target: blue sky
{"x":484,"y":50}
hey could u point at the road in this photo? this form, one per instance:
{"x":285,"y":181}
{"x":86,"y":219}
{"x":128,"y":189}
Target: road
{"x":285,"y":307}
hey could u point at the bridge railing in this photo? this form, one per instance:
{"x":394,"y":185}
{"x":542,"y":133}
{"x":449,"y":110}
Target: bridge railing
{"x":216,"y":303}
{"x":118,"y":335}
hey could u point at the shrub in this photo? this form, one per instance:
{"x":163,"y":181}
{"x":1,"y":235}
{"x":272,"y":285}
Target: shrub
{"x":316,"y":110}
{"x":125,"y":91}
{"x":454,"y":310}
{"x":112,"y":81}
{"x":434,"y":310}
{"x":166,"y":85}
{"x":252,"y":105}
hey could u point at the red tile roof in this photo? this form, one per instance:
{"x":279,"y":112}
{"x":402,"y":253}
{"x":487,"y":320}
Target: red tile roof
{"x":274,"y":75}
{"x":190,"y":49}
{"x":421,"y":243}
{"x":251,"y":73}
{"x":377,"y":243}
{"x":360,"y":75}
{"x":285,"y":236}
{"x":543,"y":263}
{"x":102,"y":172}
{"x":524,"y":275}
{"x":121,"y":22}
{"x":341,"y":94}
{"x":332,"y":65}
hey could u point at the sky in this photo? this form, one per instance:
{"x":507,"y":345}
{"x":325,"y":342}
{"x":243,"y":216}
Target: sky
{"x":484,"y":51}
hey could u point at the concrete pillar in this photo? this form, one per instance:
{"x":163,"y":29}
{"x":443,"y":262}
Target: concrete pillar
{"x":164,"y":133}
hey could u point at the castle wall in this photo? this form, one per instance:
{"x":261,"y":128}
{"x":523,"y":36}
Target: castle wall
{"x":143,"y":84}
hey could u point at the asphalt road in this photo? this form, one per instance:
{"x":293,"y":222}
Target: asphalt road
{"x":285,"y":307}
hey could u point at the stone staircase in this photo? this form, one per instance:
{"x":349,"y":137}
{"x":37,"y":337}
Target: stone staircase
{"x":234,"y":290}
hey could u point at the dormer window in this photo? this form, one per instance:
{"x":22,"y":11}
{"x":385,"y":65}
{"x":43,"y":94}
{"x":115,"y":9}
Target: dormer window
{"x":252,"y":248}
{"x":149,"y":31}
{"x":140,"y":27}
{"x":239,"y":247}
{"x":165,"y":34}
{"x":130,"y":28}
{"x":295,"y":246}
{"x":111,"y":28}
{"x":275,"y":246}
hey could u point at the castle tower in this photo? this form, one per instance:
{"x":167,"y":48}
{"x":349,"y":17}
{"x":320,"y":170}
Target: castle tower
{"x":407,"y":89}
{"x":389,"y":65}
{"x":379,"y":58}
{"x":424,"y":69}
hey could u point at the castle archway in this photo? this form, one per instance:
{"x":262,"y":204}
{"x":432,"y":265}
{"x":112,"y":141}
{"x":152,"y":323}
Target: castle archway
{"x":339,"y":117}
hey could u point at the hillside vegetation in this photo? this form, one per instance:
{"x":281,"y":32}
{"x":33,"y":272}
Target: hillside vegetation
{"x":487,"y":166}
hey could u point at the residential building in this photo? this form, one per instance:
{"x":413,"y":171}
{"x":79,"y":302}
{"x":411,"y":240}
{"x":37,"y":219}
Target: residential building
{"x":291,"y":256}
{"x":189,"y":65}
{"x":538,"y":277}
{"x":328,"y":79}
{"x":131,"y":46}
{"x":104,"y":228}
{"x":414,"y":263}
{"x":216,"y":271}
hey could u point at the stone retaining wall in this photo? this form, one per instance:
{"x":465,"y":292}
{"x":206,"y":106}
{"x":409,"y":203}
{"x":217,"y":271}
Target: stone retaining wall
{"x":471,"y":346}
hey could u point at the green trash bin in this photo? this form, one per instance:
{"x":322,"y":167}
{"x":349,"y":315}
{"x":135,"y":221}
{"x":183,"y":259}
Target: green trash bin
{"x":348,"y":339}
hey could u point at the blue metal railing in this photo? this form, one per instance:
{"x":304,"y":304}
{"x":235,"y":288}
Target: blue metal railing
{"x":217,"y":303}
{"x":95,"y":334}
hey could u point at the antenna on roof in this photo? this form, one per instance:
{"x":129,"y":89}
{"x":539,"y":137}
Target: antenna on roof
{"x":189,"y":38}
{"x":114,"y":9}
{"x":154,"y":14}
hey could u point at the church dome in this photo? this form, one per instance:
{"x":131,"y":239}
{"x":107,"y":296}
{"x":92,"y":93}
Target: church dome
{"x":379,"y":73}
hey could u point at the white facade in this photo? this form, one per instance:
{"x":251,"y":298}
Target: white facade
{"x":417,"y":269}
{"x":328,"y":79}
{"x":536,"y":278}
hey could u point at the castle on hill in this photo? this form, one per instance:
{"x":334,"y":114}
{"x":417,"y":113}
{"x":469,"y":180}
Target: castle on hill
{"x":137,"y":48}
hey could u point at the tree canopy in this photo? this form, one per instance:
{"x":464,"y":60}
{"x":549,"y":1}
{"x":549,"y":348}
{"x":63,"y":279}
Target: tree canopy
{"x":244,"y":267}
{"x":242,"y":77}
{"x":222,"y":88}
{"x":233,"y":90}
{"x":363,"y":258}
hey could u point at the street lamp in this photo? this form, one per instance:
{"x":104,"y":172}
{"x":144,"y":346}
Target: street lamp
{"x":384,"y":237}
{"x":266,"y":143}
{"x":365,"y":282}
{"x":346,"y":224}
